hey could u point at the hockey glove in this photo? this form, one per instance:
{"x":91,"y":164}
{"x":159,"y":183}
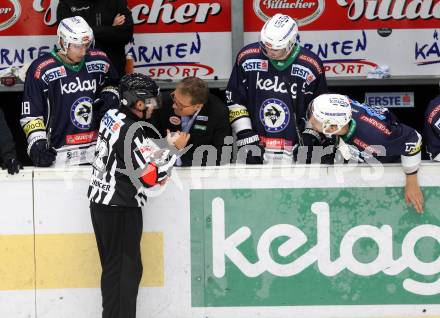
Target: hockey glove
{"x":41,"y":155}
{"x":13,"y":165}
{"x":249,"y":147}
{"x":108,"y":99}
{"x":315,"y":148}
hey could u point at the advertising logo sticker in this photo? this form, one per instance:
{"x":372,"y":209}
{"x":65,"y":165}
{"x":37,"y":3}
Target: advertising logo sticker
{"x":313,"y":246}
{"x":304,"y":11}
{"x":10,"y":11}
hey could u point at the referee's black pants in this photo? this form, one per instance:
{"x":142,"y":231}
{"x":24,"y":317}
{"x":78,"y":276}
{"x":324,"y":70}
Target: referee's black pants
{"x":118,"y":232}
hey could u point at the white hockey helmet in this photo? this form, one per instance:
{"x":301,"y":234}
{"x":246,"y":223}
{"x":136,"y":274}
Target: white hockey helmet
{"x":279,"y":33}
{"x":331,"y":110}
{"x":74,"y":30}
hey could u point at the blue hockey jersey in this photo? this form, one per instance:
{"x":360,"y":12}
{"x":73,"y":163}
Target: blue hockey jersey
{"x":57,"y":104}
{"x":376,"y":132}
{"x":265,"y":96}
{"x":431,"y":129}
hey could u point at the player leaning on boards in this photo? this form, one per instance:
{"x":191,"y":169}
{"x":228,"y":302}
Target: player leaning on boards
{"x":127,"y":162}
{"x":58,"y":109}
{"x":431,"y":129}
{"x":367,"y":134}
{"x":271,"y":84}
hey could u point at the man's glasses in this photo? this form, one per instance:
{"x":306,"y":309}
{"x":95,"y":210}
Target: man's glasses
{"x":178,"y":104}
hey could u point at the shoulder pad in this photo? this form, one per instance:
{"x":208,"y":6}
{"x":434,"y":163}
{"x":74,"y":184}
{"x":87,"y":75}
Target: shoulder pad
{"x":433,"y":113}
{"x":42,"y":65}
{"x":249,"y":50}
{"x":96,"y":52}
{"x":312,"y":61}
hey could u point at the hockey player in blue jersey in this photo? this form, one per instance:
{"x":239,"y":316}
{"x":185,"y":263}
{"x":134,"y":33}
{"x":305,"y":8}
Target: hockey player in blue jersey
{"x":271,"y":84}
{"x":431,"y":129}
{"x":368,"y":134}
{"x":60,"y":114}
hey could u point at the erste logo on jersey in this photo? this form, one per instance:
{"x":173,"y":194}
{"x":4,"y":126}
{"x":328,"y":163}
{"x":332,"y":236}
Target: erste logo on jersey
{"x":274,"y":115}
{"x":81,"y":113}
{"x":304,"y":11}
{"x":303,"y":72}
{"x":111,"y":123}
{"x":97,"y":67}
{"x":10,"y":11}
{"x":54,"y":74}
{"x":255,"y":65}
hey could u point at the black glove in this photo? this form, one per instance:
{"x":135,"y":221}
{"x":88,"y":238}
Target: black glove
{"x":108,"y":99}
{"x":13,"y":165}
{"x":41,"y":155}
{"x":309,"y":154}
{"x":248,"y":144}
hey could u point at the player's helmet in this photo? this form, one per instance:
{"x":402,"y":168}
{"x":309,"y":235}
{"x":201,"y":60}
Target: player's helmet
{"x":74,"y":30}
{"x":331,"y":110}
{"x":279,"y":33}
{"x":136,"y":86}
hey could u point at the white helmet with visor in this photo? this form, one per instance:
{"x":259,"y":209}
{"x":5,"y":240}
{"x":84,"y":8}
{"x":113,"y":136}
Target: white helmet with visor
{"x":279,"y":33}
{"x":74,"y":30}
{"x":331,"y":110}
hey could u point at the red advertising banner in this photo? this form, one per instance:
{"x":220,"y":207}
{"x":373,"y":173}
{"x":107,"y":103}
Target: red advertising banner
{"x":160,"y":16}
{"x":317,"y":15}
{"x":27,"y":17}
{"x":38,"y":17}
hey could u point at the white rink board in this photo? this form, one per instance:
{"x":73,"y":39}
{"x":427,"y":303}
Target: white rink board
{"x":17,"y":304}
{"x":16,"y":219}
{"x":16,"y":198}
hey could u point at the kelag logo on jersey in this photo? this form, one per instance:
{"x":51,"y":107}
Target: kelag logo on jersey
{"x":73,"y":87}
{"x":274,"y":115}
{"x":428,"y":53}
{"x":97,"y":67}
{"x":255,"y":65}
{"x":81,"y":113}
{"x":54,"y":74}
{"x":303,"y":72}
{"x":304,"y":11}
{"x":10,"y":11}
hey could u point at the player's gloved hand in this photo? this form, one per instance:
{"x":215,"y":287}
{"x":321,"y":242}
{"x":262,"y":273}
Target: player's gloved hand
{"x":13,"y":165}
{"x":311,"y":137}
{"x":107,"y":99}
{"x":41,"y":155}
{"x":303,"y":154}
{"x":317,"y":148}
{"x":329,"y":148}
{"x":249,"y":147}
